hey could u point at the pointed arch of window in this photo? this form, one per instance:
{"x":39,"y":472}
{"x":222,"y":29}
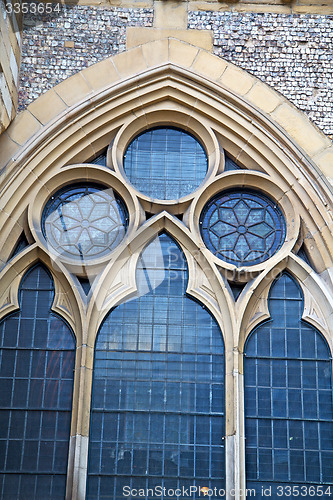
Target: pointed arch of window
{"x":158,"y":385}
{"x":288,"y":397}
{"x":36,"y":375}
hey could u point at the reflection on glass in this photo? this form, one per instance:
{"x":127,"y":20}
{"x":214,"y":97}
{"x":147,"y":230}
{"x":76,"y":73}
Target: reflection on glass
{"x":158,"y":385}
{"x":288,"y":397}
{"x":36,"y":375}
{"x":242,"y":227}
{"x":165,"y":163}
{"x":84,"y":221}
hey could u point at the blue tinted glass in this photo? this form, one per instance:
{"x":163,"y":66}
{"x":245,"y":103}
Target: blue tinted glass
{"x":84,"y":221}
{"x":36,"y":377}
{"x":288,"y":396}
{"x":100,"y":159}
{"x":158,"y":385}
{"x":165,"y":163}
{"x":242,"y":227}
{"x":20,"y":245}
{"x":230,"y":164}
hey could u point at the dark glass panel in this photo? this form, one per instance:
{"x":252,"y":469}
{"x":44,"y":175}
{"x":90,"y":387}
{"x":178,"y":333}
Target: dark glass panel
{"x":158,"y":398}
{"x":230,"y":164}
{"x":21,"y":244}
{"x":100,"y":159}
{"x":289,"y":409}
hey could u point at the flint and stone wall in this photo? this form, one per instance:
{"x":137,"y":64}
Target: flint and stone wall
{"x":57,"y":45}
{"x":293,"y":53}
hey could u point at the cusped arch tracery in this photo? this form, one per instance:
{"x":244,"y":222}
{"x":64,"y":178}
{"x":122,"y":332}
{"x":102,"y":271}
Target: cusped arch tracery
{"x":288,"y":392}
{"x":182,"y":98}
{"x":172,"y":354}
{"x":67,"y":302}
{"x":318,"y":300}
{"x":37,"y":371}
{"x":53,"y":153}
{"x":251,"y":135}
{"x":117,"y":282}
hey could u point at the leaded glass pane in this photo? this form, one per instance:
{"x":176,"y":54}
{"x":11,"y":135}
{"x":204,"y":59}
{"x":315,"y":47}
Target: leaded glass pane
{"x":242,"y":227}
{"x":37,"y":352}
{"x":84,"y":221}
{"x":165,"y":163}
{"x":288,"y":398}
{"x":158,"y":386}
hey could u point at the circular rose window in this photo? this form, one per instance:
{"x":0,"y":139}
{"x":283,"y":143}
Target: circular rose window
{"x":242,"y":227}
{"x":84,"y":221}
{"x":165,"y":163}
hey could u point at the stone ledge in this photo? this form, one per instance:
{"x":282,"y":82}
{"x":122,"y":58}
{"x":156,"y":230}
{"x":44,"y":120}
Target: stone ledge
{"x":139,"y":36}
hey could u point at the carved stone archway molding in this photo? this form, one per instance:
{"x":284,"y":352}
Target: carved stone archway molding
{"x":263,"y":131}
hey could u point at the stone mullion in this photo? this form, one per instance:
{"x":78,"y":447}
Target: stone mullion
{"x":79,"y":440}
{"x":234,"y":438}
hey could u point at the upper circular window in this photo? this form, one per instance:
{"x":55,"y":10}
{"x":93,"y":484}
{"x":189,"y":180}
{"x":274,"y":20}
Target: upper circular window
{"x":84,"y":221}
{"x":242,"y":227}
{"x":165,"y":163}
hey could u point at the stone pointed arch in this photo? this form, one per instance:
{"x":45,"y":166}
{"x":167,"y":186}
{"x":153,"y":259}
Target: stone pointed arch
{"x":117,"y":282}
{"x":66,"y":301}
{"x":158,"y":82}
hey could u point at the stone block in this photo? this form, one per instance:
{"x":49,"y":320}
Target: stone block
{"x":300,"y":129}
{"x":210,"y":66}
{"x":263,"y":97}
{"x":100,"y":75}
{"x":170,"y":14}
{"x":8,"y":149}
{"x":156,"y":53}
{"x":73,"y":90}
{"x":130,"y":62}
{"x":325,"y":162}
{"x":47,"y":107}
{"x":237,"y":80}
{"x":182,"y":53}
{"x":139,"y":36}
{"x":24,"y":127}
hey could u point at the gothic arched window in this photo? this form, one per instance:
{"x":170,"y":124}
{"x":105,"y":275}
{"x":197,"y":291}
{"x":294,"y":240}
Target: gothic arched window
{"x":162,"y":148}
{"x":288,"y":397}
{"x":158,"y":386}
{"x":36,"y":376}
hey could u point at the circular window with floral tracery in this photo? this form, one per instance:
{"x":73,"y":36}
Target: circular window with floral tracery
{"x":84,"y":221}
{"x":242,"y":227}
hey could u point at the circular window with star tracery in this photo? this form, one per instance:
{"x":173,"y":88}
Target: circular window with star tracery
{"x":242,"y":227}
{"x":84,"y":221}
